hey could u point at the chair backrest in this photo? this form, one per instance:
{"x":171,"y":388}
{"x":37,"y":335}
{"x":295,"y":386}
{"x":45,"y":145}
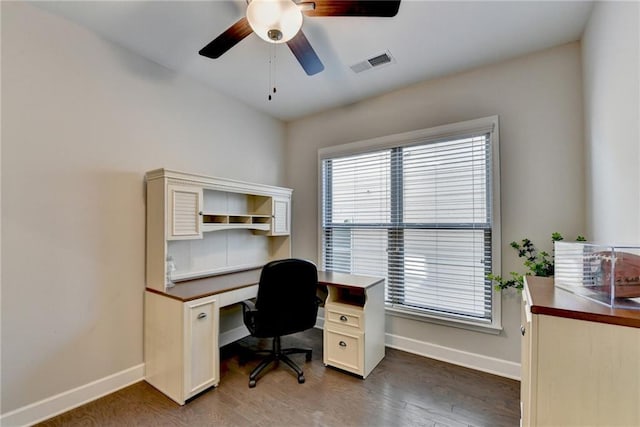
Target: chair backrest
{"x":286,"y":301}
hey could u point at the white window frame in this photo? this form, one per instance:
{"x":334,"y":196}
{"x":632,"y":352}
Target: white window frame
{"x":454,"y":130}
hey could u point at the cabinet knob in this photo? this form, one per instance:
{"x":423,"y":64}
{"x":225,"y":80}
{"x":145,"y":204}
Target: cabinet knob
{"x":200,"y":213}
{"x":342,"y":344}
{"x":343,"y":318}
{"x":202,"y":316}
{"x":522,"y":330}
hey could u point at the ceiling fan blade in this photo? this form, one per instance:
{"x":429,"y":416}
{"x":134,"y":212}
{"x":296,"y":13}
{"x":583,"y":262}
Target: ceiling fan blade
{"x":227,"y":40}
{"x":381,"y":8}
{"x":305,"y":54}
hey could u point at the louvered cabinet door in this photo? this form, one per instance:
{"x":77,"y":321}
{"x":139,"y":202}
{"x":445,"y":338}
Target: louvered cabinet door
{"x":185,"y":212}
{"x":281,"y":216}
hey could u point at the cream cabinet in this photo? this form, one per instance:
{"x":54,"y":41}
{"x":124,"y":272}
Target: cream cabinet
{"x":580,"y":360}
{"x":344,"y":337}
{"x":354,"y":327}
{"x":181,"y":345}
{"x":184,"y":212}
{"x":281,"y":216}
{"x":208,"y":226}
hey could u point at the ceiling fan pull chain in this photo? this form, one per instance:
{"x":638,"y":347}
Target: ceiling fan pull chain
{"x":272,"y":71}
{"x":269,"y":83}
{"x":274,"y":68}
{"x":272,"y":60}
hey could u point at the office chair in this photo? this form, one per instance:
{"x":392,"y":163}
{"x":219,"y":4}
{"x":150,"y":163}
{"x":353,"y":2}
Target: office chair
{"x":286,"y":304}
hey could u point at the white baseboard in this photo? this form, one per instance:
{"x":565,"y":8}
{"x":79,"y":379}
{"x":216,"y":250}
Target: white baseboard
{"x":492,"y":365}
{"x":55,"y":405}
{"x":319,"y":323}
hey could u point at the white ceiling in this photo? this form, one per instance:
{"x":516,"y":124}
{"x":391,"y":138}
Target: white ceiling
{"x":427,"y":39}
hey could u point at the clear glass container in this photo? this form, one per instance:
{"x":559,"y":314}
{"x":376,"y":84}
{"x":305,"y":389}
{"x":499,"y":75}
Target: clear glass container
{"x":608,"y":274}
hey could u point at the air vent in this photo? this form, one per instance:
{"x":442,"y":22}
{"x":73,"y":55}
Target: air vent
{"x":376,"y":61}
{"x":379,"y":60}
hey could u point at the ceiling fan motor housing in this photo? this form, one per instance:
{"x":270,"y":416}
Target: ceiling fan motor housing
{"x":275,"y":21}
{"x":274,"y":34}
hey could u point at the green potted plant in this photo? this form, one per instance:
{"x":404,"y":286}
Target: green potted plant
{"x":537,"y":263}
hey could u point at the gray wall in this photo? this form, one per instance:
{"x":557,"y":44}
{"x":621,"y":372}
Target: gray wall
{"x":611,"y":64}
{"x":82,"y":121}
{"x":539,"y":100}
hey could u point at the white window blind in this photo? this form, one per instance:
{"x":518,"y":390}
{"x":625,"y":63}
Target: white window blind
{"x":419,"y":214}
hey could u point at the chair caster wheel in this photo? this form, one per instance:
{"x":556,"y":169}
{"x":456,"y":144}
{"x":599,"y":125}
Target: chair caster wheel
{"x":300,"y":379}
{"x":252,"y":383}
{"x":308,"y":358}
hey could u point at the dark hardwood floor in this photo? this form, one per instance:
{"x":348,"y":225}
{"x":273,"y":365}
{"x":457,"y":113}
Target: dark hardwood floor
{"x":403,"y":390}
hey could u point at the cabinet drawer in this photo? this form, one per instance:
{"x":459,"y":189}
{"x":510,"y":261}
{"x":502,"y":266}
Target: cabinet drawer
{"x":344,"y":350}
{"x":341,"y":316}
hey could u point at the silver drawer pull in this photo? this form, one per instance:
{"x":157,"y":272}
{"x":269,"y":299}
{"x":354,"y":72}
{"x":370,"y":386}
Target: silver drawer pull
{"x":343,"y":318}
{"x":202,"y":315}
{"x":342,"y":344}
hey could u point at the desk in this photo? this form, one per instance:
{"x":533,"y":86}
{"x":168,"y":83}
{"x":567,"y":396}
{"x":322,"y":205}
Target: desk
{"x":181,"y":341}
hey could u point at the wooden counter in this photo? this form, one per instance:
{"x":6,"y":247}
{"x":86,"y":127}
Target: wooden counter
{"x":545,"y":298}
{"x":189,"y":290}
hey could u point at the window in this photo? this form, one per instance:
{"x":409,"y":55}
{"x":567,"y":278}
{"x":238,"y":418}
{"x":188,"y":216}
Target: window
{"x":420,"y":209}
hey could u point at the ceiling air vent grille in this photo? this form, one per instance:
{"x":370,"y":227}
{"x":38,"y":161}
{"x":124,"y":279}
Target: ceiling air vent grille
{"x":379,"y":60}
{"x":376,"y":61}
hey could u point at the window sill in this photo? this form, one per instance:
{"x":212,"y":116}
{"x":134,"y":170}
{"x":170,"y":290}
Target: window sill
{"x":488,"y":328}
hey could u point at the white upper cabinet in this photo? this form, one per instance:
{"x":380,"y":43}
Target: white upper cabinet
{"x":185,"y":212}
{"x":208,"y":226}
{"x":281,"y":213}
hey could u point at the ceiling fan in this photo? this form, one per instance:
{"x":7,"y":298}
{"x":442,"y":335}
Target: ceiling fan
{"x":280,"y":21}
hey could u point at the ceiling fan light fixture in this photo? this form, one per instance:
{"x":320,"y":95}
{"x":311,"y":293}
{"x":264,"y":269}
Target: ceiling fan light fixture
{"x":274,"y":21}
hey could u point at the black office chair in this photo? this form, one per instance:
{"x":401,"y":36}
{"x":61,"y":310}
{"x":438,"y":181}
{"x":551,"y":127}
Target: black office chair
{"x":286,"y":304}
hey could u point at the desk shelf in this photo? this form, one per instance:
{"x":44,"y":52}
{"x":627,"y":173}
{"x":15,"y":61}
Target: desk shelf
{"x":219,"y":222}
{"x":353,"y":297}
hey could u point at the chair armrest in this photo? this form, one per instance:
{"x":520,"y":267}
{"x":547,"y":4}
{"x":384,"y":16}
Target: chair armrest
{"x":249,"y":315}
{"x":248,"y":305}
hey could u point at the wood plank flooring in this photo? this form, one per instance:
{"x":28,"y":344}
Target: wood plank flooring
{"x":403,"y":390}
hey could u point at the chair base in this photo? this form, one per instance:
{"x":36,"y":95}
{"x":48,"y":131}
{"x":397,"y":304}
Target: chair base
{"x":277,"y":354}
